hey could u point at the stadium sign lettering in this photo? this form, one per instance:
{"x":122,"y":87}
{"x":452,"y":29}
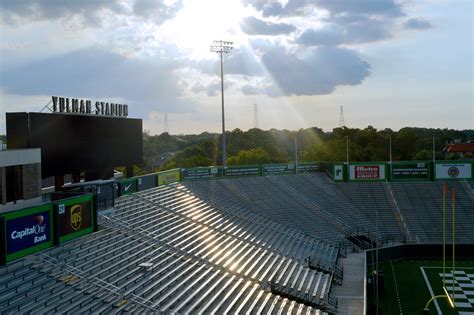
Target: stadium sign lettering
{"x":78,"y":106}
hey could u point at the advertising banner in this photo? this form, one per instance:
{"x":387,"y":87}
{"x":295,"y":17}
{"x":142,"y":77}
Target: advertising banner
{"x":242,"y":171}
{"x":338,"y":172}
{"x":278,"y":169}
{"x":128,"y":186}
{"x":201,"y":173}
{"x":367,"y":172}
{"x":308,"y":167}
{"x":28,"y":231}
{"x":75,"y":217}
{"x":168,"y":177}
{"x":411,"y":171}
{"x":453,"y":170}
{"x":146,"y":182}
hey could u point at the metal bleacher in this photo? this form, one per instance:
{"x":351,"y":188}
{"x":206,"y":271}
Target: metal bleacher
{"x":262,"y":245}
{"x":167,"y":251}
{"x":422,"y":204}
{"x":371,"y":199}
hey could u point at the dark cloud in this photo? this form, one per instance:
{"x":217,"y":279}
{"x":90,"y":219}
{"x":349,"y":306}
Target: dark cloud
{"x":417,"y":24}
{"x":318,"y":71}
{"x":90,"y":11}
{"x":95,"y":73}
{"x":253,"y":26}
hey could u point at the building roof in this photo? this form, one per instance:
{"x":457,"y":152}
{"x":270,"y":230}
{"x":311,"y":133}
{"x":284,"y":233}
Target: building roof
{"x":459,"y":147}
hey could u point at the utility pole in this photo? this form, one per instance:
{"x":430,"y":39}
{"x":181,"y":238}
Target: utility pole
{"x":255,"y":113}
{"x":222,"y":47}
{"x":166,"y":129}
{"x":296,"y":153}
{"x":347,"y":150}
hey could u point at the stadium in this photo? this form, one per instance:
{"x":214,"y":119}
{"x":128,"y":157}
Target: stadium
{"x":130,"y":184}
{"x":299,"y":238}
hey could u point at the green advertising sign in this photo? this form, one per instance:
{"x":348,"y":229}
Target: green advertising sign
{"x":201,"y":173}
{"x":75,"y":217}
{"x":242,"y":171}
{"x":27,"y":231}
{"x":308,"y":167}
{"x":168,"y":177}
{"x":128,"y":186}
{"x":338,"y":172}
{"x":416,"y":171}
{"x":278,"y":169}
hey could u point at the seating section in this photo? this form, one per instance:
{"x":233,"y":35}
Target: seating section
{"x":166,"y":250}
{"x":255,"y":245}
{"x":373,"y":202}
{"x":422,"y":207}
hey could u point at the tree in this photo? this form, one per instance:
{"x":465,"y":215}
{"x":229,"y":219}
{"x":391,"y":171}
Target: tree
{"x":248,"y":157}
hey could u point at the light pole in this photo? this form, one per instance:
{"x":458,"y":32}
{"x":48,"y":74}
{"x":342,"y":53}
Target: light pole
{"x":222,"y":47}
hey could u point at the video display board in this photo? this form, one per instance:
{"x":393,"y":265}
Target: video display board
{"x":73,"y":143}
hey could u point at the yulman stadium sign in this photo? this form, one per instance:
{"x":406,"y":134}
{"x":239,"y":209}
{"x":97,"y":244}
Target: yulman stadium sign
{"x":78,"y":106}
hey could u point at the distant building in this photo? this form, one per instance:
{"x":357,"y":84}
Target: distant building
{"x":464,"y":150}
{"x":20,"y":178}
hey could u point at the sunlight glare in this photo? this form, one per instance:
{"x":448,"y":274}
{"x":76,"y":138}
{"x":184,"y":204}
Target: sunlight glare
{"x":201,"y":22}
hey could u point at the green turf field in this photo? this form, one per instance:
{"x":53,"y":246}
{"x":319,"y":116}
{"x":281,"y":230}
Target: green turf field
{"x":415,"y":278}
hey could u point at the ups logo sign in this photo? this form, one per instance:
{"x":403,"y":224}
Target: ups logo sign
{"x":76,"y":217}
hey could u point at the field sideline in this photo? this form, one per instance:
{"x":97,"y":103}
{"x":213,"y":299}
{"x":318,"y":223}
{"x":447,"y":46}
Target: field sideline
{"x":408,"y":283}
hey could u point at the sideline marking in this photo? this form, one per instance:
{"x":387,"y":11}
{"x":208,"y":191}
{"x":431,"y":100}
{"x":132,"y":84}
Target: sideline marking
{"x":430,"y":289}
{"x":396,"y":289}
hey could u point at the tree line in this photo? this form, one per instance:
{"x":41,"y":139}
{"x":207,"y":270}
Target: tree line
{"x":257,"y":146}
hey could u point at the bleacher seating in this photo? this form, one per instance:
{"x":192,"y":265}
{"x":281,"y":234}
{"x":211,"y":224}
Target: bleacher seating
{"x":262,"y":245}
{"x":422,"y":207}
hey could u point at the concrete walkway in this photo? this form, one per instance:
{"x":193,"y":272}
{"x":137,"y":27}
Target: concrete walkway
{"x":350,"y":295}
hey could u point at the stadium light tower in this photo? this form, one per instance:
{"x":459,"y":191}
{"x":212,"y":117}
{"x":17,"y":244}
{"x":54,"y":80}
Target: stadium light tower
{"x":222,"y":47}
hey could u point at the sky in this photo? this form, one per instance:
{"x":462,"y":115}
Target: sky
{"x":294,"y":63}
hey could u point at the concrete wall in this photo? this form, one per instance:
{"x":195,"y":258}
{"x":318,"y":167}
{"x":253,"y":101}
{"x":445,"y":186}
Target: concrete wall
{"x":31,"y":181}
{"x":19,"y":157}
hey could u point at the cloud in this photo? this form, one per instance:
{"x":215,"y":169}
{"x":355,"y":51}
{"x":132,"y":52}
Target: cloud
{"x":86,"y":13}
{"x":317,"y":71}
{"x":355,"y":31}
{"x":389,"y":8}
{"x":253,"y":26}
{"x":417,"y":24}
{"x":239,"y":61}
{"x":250,"y":90}
{"x":156,"y":10}
{"x":150,"y":84}
{"x":328,"y":36}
